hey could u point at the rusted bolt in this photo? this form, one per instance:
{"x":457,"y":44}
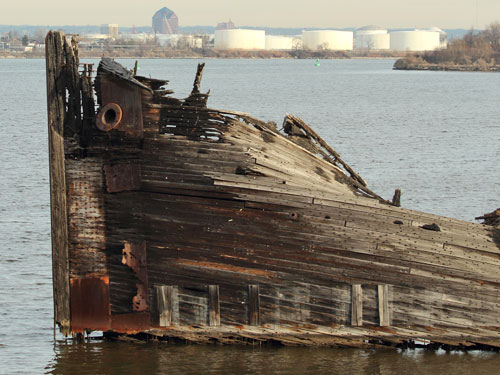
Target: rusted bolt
{"x":109,"y":117}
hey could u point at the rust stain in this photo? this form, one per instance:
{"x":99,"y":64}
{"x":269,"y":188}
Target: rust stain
{"x":128,"y":98}
{"x":226,"y":267}
{"x":130,"y":323}
{"x":90,"y":308}
{"x":134,"y":256}
{"x":385,"y":329}
{"x":109,"y":117}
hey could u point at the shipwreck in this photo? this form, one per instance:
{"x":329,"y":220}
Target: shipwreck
{"x":178,"y":222}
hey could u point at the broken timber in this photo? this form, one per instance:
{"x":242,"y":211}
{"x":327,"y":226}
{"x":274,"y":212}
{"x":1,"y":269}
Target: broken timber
{"x":188,"y":223}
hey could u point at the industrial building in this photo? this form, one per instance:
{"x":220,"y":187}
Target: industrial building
{"x":225,"y":25}
{"x":165,"y":21}
{"x":415,"y":40}
{"x":179,"y":41}
{"x":372,"y":38}
{"x":327,"y":40}
{"x":110,"y":29}
{"x":240,"y":39}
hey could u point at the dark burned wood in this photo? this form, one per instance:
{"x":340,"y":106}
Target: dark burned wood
{"x":88,"y":106}
{"x":122,"y":177}
{"x":396,"y":198}
{"x":111,"y":68}
{"x":200,"y":225}
{"x":492,"y":218}
{"x":197,"y":79}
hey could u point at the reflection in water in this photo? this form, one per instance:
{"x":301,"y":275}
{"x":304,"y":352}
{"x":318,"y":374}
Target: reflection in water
{"x":98,"y":357}
{"x":102,"y":357}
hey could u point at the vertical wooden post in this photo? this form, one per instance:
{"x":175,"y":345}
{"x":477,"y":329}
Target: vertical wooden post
{"x":56,"y":99}
{"x":253,"y":305}
{"x":356,"y":305}
{"x":164,"y":304}
{"x":213,"y":306}
{"x":383,"y":305}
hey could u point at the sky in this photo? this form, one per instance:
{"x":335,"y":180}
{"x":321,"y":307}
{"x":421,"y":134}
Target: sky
{"x":271,"y":13}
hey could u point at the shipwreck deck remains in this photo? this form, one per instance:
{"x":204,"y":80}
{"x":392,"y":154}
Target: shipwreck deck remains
{"x":179,"y":221}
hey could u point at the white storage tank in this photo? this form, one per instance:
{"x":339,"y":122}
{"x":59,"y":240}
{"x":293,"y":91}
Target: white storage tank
{"x":327,"y":39}
{"x":415,"y":40}
{"x":240,"y":39}
{"x":372,"y":38}
{"x":443,"y":37}
{"x":278,"y":42}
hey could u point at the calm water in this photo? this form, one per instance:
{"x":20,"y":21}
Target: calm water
{"x":435,"y":135}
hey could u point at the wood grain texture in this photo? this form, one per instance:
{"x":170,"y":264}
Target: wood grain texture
{"x":255,"y":230}
{"x":56,"y":99}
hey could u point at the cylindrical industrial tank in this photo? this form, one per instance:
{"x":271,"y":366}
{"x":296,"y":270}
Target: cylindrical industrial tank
{"x":328,"y":39}
{"x":415,"y":40}
{"x":372,"y":38}
{"x":240,"y":39}
{"x":443,"y":37}
{"x":278,"y":42}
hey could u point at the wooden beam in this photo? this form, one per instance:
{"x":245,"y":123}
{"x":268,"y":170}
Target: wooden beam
{"x":56,"y":98}
{"x":253,"y":305}
{"x":213,"y":306}
{"x":165,"y":304}
{"x":383,"y":305}
{"x":356,"y":305}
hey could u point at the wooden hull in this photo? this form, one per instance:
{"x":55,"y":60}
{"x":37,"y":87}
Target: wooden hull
{"x":184,"y":222}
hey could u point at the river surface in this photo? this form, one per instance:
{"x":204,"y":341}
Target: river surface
{"x":435,"y":135}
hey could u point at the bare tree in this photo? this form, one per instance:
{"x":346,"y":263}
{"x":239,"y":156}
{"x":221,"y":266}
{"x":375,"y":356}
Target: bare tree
{"x":492,"y":35}
{"x":39,"y":35}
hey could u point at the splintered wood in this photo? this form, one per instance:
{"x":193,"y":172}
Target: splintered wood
{"x":193,"y":224}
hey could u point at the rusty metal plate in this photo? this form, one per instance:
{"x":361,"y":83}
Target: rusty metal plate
{"x":122,"y":177}
{"x":134,"y":256}
{"x":128,"y":97}
{"x":90,"y":307}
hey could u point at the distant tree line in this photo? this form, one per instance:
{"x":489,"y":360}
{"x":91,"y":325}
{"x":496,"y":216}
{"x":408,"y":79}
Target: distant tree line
{"x":474,"y":47}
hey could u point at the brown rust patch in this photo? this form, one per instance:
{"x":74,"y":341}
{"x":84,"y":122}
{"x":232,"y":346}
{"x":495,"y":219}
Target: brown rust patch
{"x":130,"y":323}
{"x":90,"y":308}
{"x":226,"y":267}
{"x":134,"y":256}
{"x":385,"y":329}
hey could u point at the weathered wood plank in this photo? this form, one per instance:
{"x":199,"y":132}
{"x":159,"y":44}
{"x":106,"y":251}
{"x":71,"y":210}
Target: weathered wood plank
{"x":356,"y":305}
{"x":56,"y":97}
{"x":165,"y":304}
{"x":213,"y":306}
{"x":253,"y":305}
{"x":383,"y":305}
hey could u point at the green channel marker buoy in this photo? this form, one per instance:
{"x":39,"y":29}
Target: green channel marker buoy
{"x":317,"y":63}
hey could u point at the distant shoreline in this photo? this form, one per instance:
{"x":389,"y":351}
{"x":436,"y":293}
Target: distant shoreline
{"x":153,"y":53}
{"x":415,"y":63}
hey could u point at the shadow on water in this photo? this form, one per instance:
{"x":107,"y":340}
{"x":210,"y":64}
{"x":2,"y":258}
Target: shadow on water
{"x":105,"y":357}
